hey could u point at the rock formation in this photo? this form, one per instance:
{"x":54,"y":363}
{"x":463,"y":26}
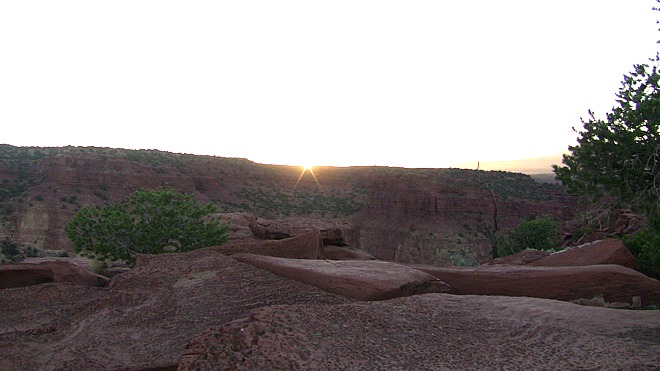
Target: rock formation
{"x":305,"y":246}
{"x":333,"y":232}
{"x":21,"y":275}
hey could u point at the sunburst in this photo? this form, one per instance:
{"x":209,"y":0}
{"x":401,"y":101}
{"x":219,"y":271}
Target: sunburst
{"x":309,"y":168}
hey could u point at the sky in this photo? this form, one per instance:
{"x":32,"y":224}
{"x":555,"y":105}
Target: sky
{"x":338,"y":83}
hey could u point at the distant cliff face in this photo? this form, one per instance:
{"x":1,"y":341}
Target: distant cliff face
{"x":409,"y":215}
{"x":432,"y":216}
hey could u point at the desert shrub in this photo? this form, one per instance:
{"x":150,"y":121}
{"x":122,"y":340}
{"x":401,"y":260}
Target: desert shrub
{"x":32,"y":252}
{"x":146,"y":222}
{"x":9,"y":250}
{"x":645,"y":245}
{"x":541,"y":233}
{"x":98,"y":266}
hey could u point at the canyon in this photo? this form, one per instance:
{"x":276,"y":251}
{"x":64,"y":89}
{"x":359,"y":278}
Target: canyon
{"x":421,"y":216}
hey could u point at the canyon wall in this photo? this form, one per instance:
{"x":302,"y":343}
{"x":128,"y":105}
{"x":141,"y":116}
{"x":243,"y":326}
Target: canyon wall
{"x":426,"y":216}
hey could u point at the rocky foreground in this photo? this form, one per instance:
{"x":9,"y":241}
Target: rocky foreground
{"x":255,"y":304}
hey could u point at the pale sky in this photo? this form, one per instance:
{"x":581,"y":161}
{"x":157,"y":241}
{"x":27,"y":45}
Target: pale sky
{"x":394,"y":83}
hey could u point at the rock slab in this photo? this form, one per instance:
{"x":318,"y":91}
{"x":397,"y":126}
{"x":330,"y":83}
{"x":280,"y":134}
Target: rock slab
{"x":356,"y":279}
{"x":614,"y":283}
{"x":609,"y":251}
{"x":305,"y":246}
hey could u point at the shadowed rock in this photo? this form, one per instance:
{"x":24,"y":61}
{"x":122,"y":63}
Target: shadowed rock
{"x":305,"y":246}
{"x":346,"y":253}
{"x":362,"y":280}
{"x":21,"y":275}
{"x":144,"y":318}
{"x":431,"y":332}
{"x":239,"y":225}
{"x":337,"y":233}
{"x":613,"y":282}
{"x":599,"y":252}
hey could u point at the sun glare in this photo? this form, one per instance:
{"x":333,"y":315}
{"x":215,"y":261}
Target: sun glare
{"x":310,"y":169}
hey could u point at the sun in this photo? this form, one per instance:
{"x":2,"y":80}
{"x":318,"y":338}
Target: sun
{"x":310,"y":169}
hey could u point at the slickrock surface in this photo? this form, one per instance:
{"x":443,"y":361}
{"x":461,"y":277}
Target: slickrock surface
{"x":143,"y":319}
{"x":305,"y":246}
{"x":613,"y":282}
{"x":432,"y":332}
{"x":599,"y":252}
{"x":26,"y":274}
{"x":356,"y":279}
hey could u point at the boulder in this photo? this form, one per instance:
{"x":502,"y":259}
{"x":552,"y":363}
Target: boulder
{"x":346,"y":253}
{"x":239,"y":225}
{"x":356,"y":279}
{"x":600,"y":252}
{"x":431,"y":332}
{"x":304,"y":246}
{"x":339,"y":233}
{"x":613,"y":282}
{"x":26,"y":274}
{"x":144,"y":318}
{"x":22,"y":275}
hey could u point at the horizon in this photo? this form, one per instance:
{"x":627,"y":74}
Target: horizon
{"x":529,"y":166}
{"x":362,"y":83}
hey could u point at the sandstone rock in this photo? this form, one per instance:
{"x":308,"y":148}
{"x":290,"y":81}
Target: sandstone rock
{"x":64,"y":271}
{"x":362,"y":280}
{"x":304,"y":246}
{"x":599,"y":252}
{"x":613,"y":282}
{"x":431,"y":332}
{"x":21,"y":275}
{"x":338,"y":233}
{"x":239,"y":225}
{"x":522,"y":258}
{"x":612,"y":223}
{"x":82,"y":262}
{"x":345,"y":253}
{"x":144,"y":318}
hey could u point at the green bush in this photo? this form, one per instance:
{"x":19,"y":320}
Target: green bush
{"x":645,"y":245}
{"x":9,"y":251}
{"x":147,"y":222}
{"x":540,"y":233}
